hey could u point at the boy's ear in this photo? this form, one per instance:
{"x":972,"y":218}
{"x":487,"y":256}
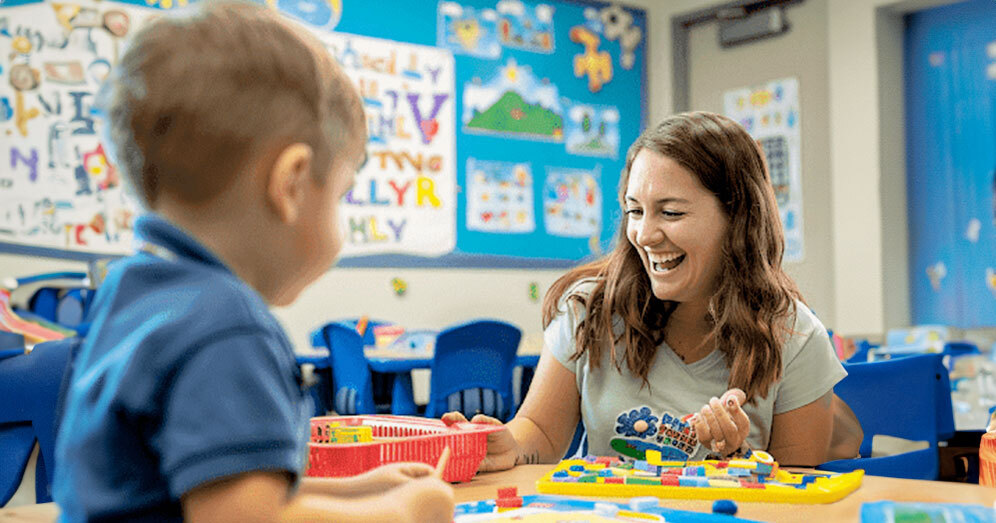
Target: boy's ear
{"x":285,"y":184}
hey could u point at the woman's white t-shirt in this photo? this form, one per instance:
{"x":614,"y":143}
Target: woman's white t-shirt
{"x":625,"y":418}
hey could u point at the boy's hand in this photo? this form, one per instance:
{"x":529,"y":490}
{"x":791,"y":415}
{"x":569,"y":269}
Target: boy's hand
{"x":393,"y":474}
{"x":427,"y":499}
{"x":722,"y":425}
{"x":502,"y":447}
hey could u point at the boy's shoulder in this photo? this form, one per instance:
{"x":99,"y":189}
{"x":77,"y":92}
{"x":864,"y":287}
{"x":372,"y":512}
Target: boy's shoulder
{"x":181,"y":292}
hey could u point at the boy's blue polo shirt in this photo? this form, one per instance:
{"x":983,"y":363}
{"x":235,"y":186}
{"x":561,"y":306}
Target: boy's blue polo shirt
{"x":185,"y":377}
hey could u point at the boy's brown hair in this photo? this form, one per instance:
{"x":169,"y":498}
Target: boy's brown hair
{"x":200,"y":95}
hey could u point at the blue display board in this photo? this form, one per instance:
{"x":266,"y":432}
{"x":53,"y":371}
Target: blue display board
{"x":950,"y":63}
{"x":498,"y":128}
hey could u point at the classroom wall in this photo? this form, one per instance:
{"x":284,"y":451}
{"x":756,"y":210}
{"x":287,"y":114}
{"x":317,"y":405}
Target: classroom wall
{"x":867,"y":207}
{"x":801,"y":54}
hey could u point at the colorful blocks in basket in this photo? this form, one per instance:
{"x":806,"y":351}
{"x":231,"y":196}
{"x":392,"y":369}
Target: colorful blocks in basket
{"x":359,"y":434}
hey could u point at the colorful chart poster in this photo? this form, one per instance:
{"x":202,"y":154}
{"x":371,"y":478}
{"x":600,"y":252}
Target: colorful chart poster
{"x":514,"y":103}
{"x":592,"y":130}
{"x":572,"y":202}
{"x":466,"y":30}
{"x":404,"y":199}
{"x":499,"y":196}
{"x":58,"y":188}
{"x":770,"y":113}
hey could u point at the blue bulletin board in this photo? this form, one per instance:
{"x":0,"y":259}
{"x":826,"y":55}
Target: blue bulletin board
{"x":950,"y":64}
{"x":498,"y":128}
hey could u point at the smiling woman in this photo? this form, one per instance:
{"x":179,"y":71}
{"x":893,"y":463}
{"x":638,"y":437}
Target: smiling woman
{"x":692,"y":302}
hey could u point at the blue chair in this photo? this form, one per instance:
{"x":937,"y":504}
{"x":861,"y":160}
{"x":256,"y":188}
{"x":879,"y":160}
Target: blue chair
{"x":355,"y":388}
{"x":579,"y":443}
{"x":861,"y":355}
{"x":472,"y":369}
{"x":351,"y":383}
{"x":32,"y":386}
{"x":908,"y":398}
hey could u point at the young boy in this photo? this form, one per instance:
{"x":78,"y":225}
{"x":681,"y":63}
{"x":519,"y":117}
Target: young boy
{"x":241,"y":135}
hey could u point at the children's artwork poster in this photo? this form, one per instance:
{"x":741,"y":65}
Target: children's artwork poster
{"x":770,"y":113}
{"x":514,"y":102}
{"x":529,"y":28}
{"x":403,"y":201}
{"x":592,"y":130}
{"x":58,"y":188}
{"x":572,"y":202}
{"x":469,"y":105}
{"x":499,"y":196}
{"x":466,"y":30}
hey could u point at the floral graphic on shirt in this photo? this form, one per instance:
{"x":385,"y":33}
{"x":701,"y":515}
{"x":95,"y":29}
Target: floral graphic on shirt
{"x":641,"y":430}
{"x":639,"y":423}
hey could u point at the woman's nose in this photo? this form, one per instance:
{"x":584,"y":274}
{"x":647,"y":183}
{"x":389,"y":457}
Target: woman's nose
{"x":648,"y":233}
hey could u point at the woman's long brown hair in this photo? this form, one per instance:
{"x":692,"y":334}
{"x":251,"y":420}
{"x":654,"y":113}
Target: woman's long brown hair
{"x":754,"y":300}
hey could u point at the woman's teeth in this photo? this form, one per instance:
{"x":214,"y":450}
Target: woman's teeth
{"x":666,"y":264}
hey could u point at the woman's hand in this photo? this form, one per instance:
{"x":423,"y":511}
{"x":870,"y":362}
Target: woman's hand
{"x":503,"y":450}
{"x":722,"y":425}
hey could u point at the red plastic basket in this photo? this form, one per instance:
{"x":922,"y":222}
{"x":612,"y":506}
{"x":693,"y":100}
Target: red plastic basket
{"x":417,"y":440}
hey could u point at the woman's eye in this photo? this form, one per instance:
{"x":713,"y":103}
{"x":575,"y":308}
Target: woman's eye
{"x":672,"y":214}
{"x":633,"y":212}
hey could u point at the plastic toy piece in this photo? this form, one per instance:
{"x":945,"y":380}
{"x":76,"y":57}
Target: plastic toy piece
{"x":513,"y":502}
{"x":755,"y":479}
{"x":608,"y":510}
{"x":508,"y":492}
{"x":643,"y":503}
{"x":724,"y":506}
{"x":546,"y":509}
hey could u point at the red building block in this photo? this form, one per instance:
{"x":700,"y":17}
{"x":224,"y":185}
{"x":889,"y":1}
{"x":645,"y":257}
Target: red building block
{"x":514,"y":502}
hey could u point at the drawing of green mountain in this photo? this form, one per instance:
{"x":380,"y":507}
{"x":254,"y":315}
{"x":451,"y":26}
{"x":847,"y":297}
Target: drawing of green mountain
{"x":594,"y":145}
{"x":512,"y":114}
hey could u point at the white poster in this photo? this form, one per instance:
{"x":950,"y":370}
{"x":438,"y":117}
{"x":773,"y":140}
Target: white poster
{"x":404,"y":199}
{"x":57,"y":187}
{"x":770,"y":113}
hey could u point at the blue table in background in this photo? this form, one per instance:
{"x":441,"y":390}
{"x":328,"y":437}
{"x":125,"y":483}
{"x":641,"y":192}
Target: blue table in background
{"x":399,"y":361}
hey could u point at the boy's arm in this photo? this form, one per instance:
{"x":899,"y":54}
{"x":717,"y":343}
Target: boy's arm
{"x":374,"y":481}
{"x":263,"y":496}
